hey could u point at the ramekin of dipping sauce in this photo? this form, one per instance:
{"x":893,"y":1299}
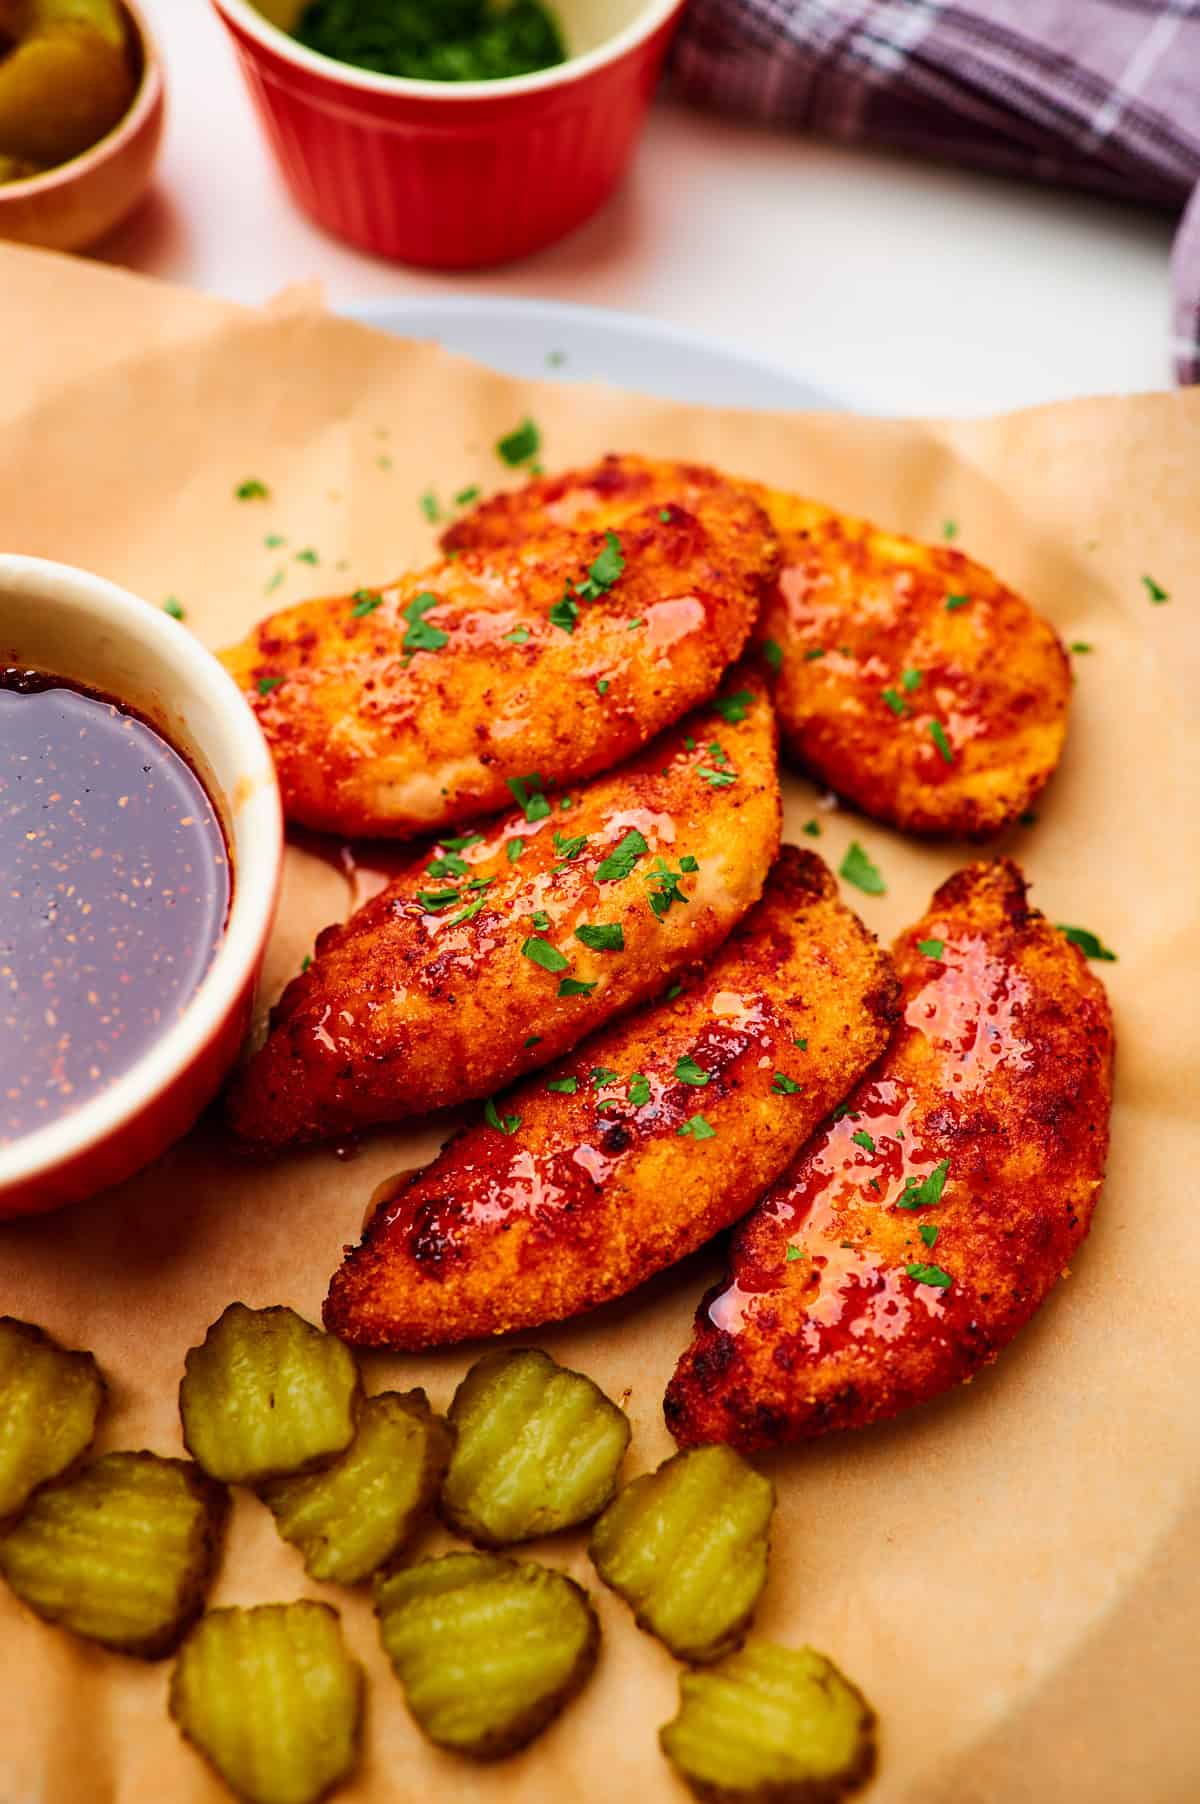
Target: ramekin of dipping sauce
{"x":141,"y":844}
{"x":455,"y":174}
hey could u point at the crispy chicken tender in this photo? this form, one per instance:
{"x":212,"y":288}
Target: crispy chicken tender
{"x":909,"y":679}
{"x":655,"y":1134}
{"x":400,"y":710}
{"x":425,"y":997}
{"x":920,"y":1231}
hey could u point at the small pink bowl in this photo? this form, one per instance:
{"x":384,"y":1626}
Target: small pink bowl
{"x":75,"y":625}
{"x":456,"y":175}
{"x":76,"y":203}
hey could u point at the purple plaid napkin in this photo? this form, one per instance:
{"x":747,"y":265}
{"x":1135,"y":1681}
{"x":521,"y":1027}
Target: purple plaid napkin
{"x":1101,"y":94}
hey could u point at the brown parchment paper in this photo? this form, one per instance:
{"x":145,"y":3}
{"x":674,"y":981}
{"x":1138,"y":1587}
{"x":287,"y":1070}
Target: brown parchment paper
{"x":1011,"y":1575}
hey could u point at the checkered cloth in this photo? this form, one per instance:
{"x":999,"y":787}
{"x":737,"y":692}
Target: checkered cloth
{"x":1100,"y":94}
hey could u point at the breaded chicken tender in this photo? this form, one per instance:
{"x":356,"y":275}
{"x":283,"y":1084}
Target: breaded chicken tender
{"x":655,"y":1134}
{"x":433,"y":992}
{"x":926,"y":1224}
{"x":408,"y":708}
{"x":908,"y":678}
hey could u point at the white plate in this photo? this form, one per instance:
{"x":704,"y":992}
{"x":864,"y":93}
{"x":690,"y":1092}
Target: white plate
{"x":549,"y":339}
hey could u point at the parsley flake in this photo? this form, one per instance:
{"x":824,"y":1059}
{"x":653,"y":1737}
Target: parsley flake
{"x":515,"y":849}
{"x":639,"y":1090}
{"x":816,"y":651}
{"x":365,"y":602}
{"x":937,"y":733}
{"x":517,"y":446}
{"x":508,"y":1124}
{"x":542,"y":953}
{"x":792,"y":1254}
{"x":305,"y":962}
{"x":717,"y":779}
{"x":174,"y":607}
{"x":541,"y":919}
{"x":664,"y":514}
{"x":621,"y":860}
{"x":563,"y":1086}
{"x":602,"y":686}
{"x":564,"y":614}
{"x":420,"y":635}
{"x":928,"y":1192}
{"x":949,"y":529}
{"x":605,"y":570}
{"x":1154,"y":591}
{"x":688,"y":1072}
{"x":1089,"y":944}
{"x":802,"y":1044}
{"x":784,"y":1085}
{"x":601,"y":1075}
{"x":910,"y":680}
{"x":472,"y":909}
{"x":1079,"y":646}
{"x":460,"y":842}
{"x":429,"y":506}
{"x":571,"y":986}
{"x":857,"y":868}
{"x":698,"y":1128}
{"x":528,"y":793}
{"x":676,"y":989}
{"x":954,"y":602}
{"x":274,"y":540}
{"x":465,"y":496}
{"x":266,"y":684}
{"x":605,"y":936}
{"x":534,"y":1040}
{"x":734,"y":707}
{"x":568,"y":849}
{"x":930,"y":1274}
{"x":812,"y":828}
{"x":895,"y":702}
{"x":1028,"y":819}
{"x":518,"y":636}
{"x":931,"y":948}
{"x":863,"y":1139}
{"x":432,"y":900}
{"x":307,"y":556}
{"x":252,"y":490}
{"x":928,"y":1230}
{"x":772,"y":655}
{"x":635,"y":623}
{"x":275,"y":581}
{"x":451,"y":865}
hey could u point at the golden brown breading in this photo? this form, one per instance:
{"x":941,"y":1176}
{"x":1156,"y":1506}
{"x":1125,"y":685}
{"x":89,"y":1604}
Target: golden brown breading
{"x":412,"y":707}
{"x":605,"y":495}
{"x":653,"y":1135}
{"x":912,"y":681}
{"x":974,"y":1151}
{"x":424,"y":998}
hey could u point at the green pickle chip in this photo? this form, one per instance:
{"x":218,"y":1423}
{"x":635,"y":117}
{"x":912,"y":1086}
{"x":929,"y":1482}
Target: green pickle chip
{"x":122,"y":1552}
{"x":267,"y":1395}
{"x":488,"y":1650}
{"x":537,"y":1449}
{"x":686,"y":1547}
{"x":771,"y":1725}
{"x":50,"y":1399}
{"x":272,"y":1698}
{"x":351,"y":1517}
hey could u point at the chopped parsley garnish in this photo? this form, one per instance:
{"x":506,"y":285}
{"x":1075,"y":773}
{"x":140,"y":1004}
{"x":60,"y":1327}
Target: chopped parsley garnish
{"x":1079,"y":646}
{"x":605,"y":570}
{"x":429,"y":506}
{"x":802,"y":1044}
{"x":1028,"y":819}
{"x":174,"y":607}
{"x":928,"y":1192}
{"x":307,"y":556}
{"x":365,"y":602}
{"x":564,"y":614}
{"x":515,"y":849}
{"x":1089,"y":944}
{"x":275,"y":581}
{"x":931,"y":948}
{"x":949,"y":529}
{"x":571,"y":986}
{"x":937,"y":733}
{"x":635,"y":623}
{"x":305,"y":962}
{"x":664,"y":885}
{"x":563,"y":1086}
{"x":895,"y":702}
{"x":556,"y":359}
{"x":534,"y":1040}
{"x":383,"y":462}
{"x":568,"y":849}
{"x":450,"y":865}
{"x":621,"y":860}
{"x":517,"y":446}
{"x":274,"y":540}
{"x":954,"y":602}
{"x":1154,"y":590}
{"x":784,"y":1085}
{"x":420,"y":635}
{"x":718,"y":779}
{"x":566,"y":803}
{"x":432,"y":900}
{"x":600,"y":1075}
{"x":542,"y":953}
{"x":863,"y":1139}
{"x":676,"y":989}
{"x":814,"y":652}
{"x":465,"y":496}
{"x":843,"y":1109}
{"x":605,"y":936}
{"x":664,"y":514}
{"x":930,"y":1274}
{"x":772,"y":654}
{"x":252,"y":490}
{"x":910,"y":680}
{"x":688,"y":864}
{"x":266,"y":684}
{"x":541,"y":919}
{"x":792,"y":1254}
{"x":858,"y":869}
{"x":688,"y":1072}
{"x":472,"y":909}
{"x":734,"y":707}
{"x":812,"y":828}
{"x":508,"y":1124}
{"x":639,"y":1090}
{"x":602,"y":686}
{"x":928,"y":1231}
{"x":518,"y":636}
{"x":528,"y":793}
{"x":460,"y":842}
{"x":698,"y":1128}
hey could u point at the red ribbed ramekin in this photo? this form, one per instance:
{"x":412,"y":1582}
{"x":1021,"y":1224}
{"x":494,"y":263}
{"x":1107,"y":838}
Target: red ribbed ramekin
{"x":453,"y":175}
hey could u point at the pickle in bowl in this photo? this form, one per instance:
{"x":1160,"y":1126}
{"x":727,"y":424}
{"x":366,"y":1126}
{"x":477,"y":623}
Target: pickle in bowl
{"x":348,"y":1519}
{"x":50,"y":1401}
{"x":272,"y":1700}
{"x":537,"y":1448}
{"x":770,"y":1725}
{"x":267,"y":1395}
{"x":686,"y":1547}
{"x":121,"y":1553}
{"x":488,"y":1650}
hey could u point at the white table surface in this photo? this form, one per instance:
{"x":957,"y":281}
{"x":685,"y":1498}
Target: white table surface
{"x":896,"y":285}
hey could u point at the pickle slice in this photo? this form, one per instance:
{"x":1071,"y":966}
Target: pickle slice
{"x":50,"y":1399}
{"x":488,"y":1650}
{"x":771,"y":1725}
{"x":267,"y":1395}
{"x":121,"y":1552}
{"x":686,"y":1547}
{"x":272,"y":1699}
{"x":537,"y":1449}
{"x":359,"y":1512}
